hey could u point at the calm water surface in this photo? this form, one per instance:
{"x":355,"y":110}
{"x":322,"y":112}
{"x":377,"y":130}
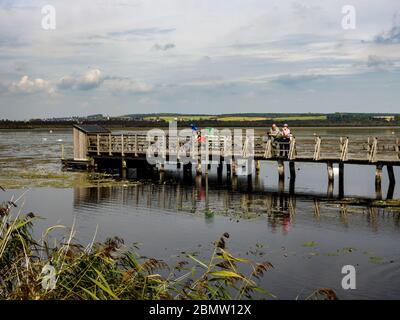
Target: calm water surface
{"x":179,"y":215}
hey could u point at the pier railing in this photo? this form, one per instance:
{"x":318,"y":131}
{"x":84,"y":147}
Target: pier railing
{"x":316,"y":148}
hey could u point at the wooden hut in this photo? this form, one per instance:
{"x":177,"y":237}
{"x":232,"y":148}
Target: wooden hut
{"x":81,"y":133}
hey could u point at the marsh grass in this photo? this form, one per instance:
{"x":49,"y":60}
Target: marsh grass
{"x":113,"y":271}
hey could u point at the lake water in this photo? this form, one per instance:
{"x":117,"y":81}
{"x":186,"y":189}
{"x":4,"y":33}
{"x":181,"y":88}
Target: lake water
{"x":307,"y":237}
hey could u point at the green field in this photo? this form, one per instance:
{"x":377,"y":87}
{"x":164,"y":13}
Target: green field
{"x":300,"y":118}
{"x":237,"y":118}
{"x":222,"y":118}
{"x":185,"y":118}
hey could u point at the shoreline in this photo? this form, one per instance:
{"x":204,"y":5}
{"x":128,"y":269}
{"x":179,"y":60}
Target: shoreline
{"x":165,"y":126}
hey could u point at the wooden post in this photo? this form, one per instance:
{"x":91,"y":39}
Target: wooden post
{"x":331,"y":179}
{"x":187,"y":171}
{"x":161,"y":176}
{"x":331,"y":176}
{"x":281,"y":169}
{"x":317,"y":148}
{"x":136,"y":145}
{"x":228,"y":169}
{"x":220,"y":168}
{"x":344,"y":146}
{"x":292,"y":182}
{"x":198,"y":167}
{"x":250,"y":183}
{"x":390,"y":192}
{"x":234,"y":183}
{"x":98,"y":144}
{"x":123,"y":167}
{"x":258,"y":167}
{"x":330,"y":189}
{"x":390,"y":171}
{"x":109,"y":145}
{"x":378,"y":181}
{"x":281,"y":185}
{"x":373,"y":150}
{"x":292,"y":169}
{"x":292,"y":149}
{"x":207,"y":156}
{"x":341,"y":179}
{"x":234,"y":168}
{"x":162,"y":167}
{"x":122,"y":145}
{"x":62,"y":152}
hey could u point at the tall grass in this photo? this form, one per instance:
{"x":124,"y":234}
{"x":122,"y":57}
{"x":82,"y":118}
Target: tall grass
{"x":111,"y":270}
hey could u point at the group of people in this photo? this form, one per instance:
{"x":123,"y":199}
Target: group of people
{"x":283,"y":137}
{"x":279,"y":135}
{"x":280,"y":138}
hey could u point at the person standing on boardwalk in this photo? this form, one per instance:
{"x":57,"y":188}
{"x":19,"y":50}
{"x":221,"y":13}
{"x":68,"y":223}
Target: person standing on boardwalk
{"x":275,"y":133}
{"x":286,"y":138}
{"x":286,"y":133}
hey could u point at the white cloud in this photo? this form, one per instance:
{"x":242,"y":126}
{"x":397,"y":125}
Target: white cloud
{"x":192,"y":51}
{"x":25,"y":85}
{"x":90,"y":80}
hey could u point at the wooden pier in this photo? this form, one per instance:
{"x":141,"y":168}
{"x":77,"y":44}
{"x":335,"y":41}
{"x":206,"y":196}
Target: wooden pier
{"x":94,"y":144}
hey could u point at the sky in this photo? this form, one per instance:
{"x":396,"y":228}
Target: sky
{"x":119,"y":57}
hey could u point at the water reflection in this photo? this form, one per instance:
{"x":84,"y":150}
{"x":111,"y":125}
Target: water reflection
{"x":237,"y":198}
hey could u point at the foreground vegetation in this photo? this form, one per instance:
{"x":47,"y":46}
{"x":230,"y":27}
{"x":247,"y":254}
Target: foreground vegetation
{"x":31,"y":269}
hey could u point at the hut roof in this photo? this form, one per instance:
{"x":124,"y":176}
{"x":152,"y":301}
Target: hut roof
{"x":91,"y":128}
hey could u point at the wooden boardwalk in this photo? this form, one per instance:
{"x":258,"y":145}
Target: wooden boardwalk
{"x":224,"y":148}
{"x":369,"y":150}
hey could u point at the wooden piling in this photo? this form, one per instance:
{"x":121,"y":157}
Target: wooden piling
{"x":187,"y":171}
{"x":390,"y":172}
{"x":162,"y":167}
{"x":292,"y":169}
{"x":281,"y":185}
{"x":234,"y":168}
{"x":292,"y":185}
{"x":281,"y":169}
{"x":331,"y":179}
{"x":258,"y":167}
{"x":110,"y":145}
{"x":98,"y":144}
{"x":219,"y":170}
{"x":330,"y":189}
{"x":123,"y":169}
{"x":198,"y":167}
{"x":331,"y":175}
{"x":341,"y":179}
{"x":234,"y":183}
{"x":378,"y":181}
